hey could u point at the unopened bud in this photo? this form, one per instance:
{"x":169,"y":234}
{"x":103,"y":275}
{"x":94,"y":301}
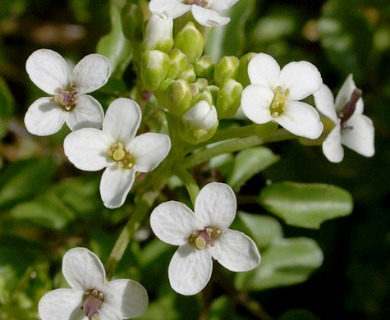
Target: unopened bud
{"x":153,"y":68}
{"x":159,"y":33}
{"x":204,"y":67}
{"x":204,"y":95}
{"x":132,"y":20}
{"x":178,"y":97}
{"x":188,"y":74}
{"x":178,"y":63}
{"x":226,"y":68}
{"x":190,"y":41}
{"x":229,"y":98}
{"x":242,"y":72}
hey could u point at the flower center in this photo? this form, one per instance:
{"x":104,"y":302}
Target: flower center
{"x":92,"y":303}
{"x":200,"y":3}
{"x":123,"y":158}
{"x":278,"y":104}
{"x":347,"y":112}
{"x":66,"y":98}
{"x":199,"y":239}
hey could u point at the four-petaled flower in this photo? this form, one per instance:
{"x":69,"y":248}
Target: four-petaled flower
{"x":202,"y":235}
{"x":274,"y":93}
{"x":351,"y":127}
{"x":91,"y":296}
{"x":69,"y":102}
{"x":116,"y":148}
{"x":205,"y":12}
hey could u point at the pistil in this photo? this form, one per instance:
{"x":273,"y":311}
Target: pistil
{"x":92,"y":303}
{"x":66,"y":98}
{"x":347,"y":112}
{"x":201,"y":238}
{"x":278,"y":104}
{"x":123,"y":158}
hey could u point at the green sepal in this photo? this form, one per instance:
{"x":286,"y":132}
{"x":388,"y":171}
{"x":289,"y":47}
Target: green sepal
{"x":178,"y":63}
{"x":229,"y":98}
{"x":226,"y":68}
{"x":204,"y":67}
{"x":153,"y":68}
{"x":190,"y":41}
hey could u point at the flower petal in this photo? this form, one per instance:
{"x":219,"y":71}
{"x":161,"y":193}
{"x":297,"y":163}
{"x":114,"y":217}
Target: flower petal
{"x":216,"y":205}
{"x":360,"y":138}
{"x":91,"y":73}
{"x":301,"y":119}
{"x":302,"y":79}
{"x":88,"y":113}
{"x":48,"y":70}
{"x":264,"y":70}
{"x":344,"y":96}
{"x":207,"y":17}
{"x":190,"y":270}
{"x":83,"y":270}
{"x":61,"y":304}
{"x":220,"y":5}
{"x":122,"y":120}
{"x":44,"y":117}
{"x":115,"y":184}
{"x":148,"y":150}
{"x":88,"y":149}
{"x":173,"y":222}
{"x":324,"y":102}
{"x":255,"y":103}
{"x":236,"y":251}
{"x":331,"y":147}
{"x":172,"y":8}
{"x":127,"y":298}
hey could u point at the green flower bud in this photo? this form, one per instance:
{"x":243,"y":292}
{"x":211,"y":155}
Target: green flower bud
{"x":188,"y":74}
{"x":199,"y":123}
{"x":132,"y":20}
{"x":179,"y":97}
{"x":153,"y":68}
{"x":242,"y":72}
{"x":159,"y":33}
{"x":204,"y":67}
{"x":229,"y":98}
{"x":204,"y":95}
{"x":190,"y":41}
{"x":178,"y":63}
{"x":226,"y":68}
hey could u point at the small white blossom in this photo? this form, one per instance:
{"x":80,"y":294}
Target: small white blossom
{"x":91,"y":296}
{"x":205,"y":12}
{"x":69,"y":103}
{"x":351,"y":127}
{"x":202,"y":235}
{"x":159,"y":32}
{"x":116,"y":148}
{"x":274,"y":93}
{"x":201,"y":116}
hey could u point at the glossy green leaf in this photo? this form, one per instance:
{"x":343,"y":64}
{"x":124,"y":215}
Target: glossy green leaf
{"x":285,"y":262}
{"x":306,"y":205}
{"x":248,"y":163}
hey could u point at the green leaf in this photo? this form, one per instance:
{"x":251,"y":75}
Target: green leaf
{"x":306,"y":205}
{"x":23,"y":179}
{"x":285,"y":262}
{"x":264,"y":229}
{"x":248,"y":163}
{"x":115,"y":46}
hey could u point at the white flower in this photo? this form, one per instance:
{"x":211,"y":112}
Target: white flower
{"x":274,"y":93}
{"x":201,"y":116}
{"x":115,"y":148}
{"x":69,"y":102}
{"x":92,"y":296}
{"x":205,"y":12}
{"x":202,"y":235}
{"x":351,"y":127}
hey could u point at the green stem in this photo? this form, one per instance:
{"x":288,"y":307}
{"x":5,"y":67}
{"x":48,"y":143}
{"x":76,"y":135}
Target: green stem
{"x":189,"y":182}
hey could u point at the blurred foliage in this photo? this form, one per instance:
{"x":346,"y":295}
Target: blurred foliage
{"x":47,"y":206}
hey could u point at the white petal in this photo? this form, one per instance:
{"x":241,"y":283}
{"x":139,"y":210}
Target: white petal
{"x":88,"y":113}
{"x":190,"y":270}
{"x":361,"y":137}
{"x":148,"y":150}
{"x":255,"y":103}
{"x":216,"y":205}
{"x":91,"y":73}
{"x":83,"y":270}
{"x":127,"y":298}
{"x":331,"y":147}
{"x":173,"y":222}
{"x":220,"y":5}
{"x":61,"y":304}
{"x":344,"y":96}
{"x":44,"y":117}
{"x":264,"y":70}
{"x":301,"y":119}
{"x":236,"y":251}
{"x":115,"y":185}
{"x":207,"y":17}
{"x":172,"y":8}
{"x":122,"y":120}
{"x":48,"y":70}
{"x":301,"y":78}
{"x":325,"y":102}
{"x":88,"y":149}
{"x":107,"y":313}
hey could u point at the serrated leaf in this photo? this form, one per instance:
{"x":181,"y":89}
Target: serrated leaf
{"x":285,"y":262}
{"x":248,"y":163}
{"x":306,"y":205}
